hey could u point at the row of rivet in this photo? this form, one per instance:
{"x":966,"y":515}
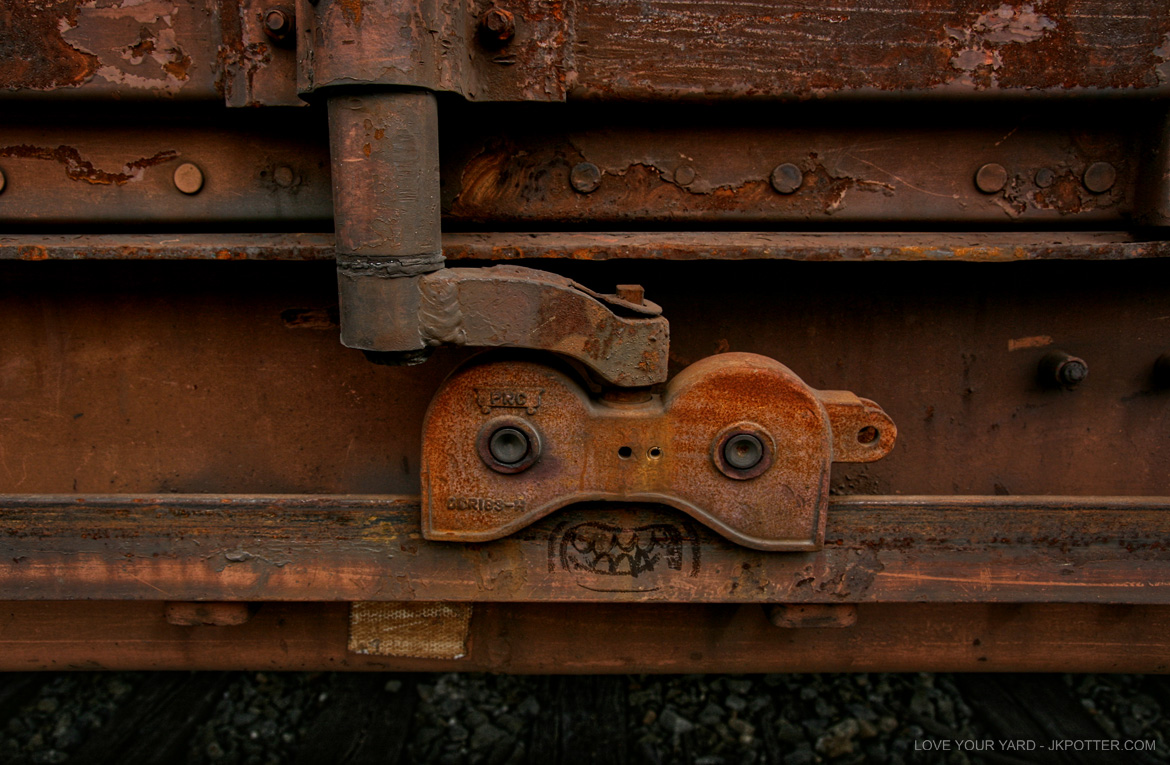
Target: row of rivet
{"x":786,"y":178}
{"x":188,"y":178}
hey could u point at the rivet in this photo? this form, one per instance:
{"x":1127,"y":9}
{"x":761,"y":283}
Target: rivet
{"x":1045,"y":177}
{"x":585,"y":177}
{"x":3,"y":181}
{"x":991,"y":178}
{"x":188,"y":178}
{"x":279,"y":23}
{"x":508,"y":445}
{"x":743,"y":451}
{"x":1099,"y":177}
{"x":684,"y":175}
{"x":284,"y":176}
{"x":1062,"y":370}
{"x":497,"y":27}
{"x":786,"y":178}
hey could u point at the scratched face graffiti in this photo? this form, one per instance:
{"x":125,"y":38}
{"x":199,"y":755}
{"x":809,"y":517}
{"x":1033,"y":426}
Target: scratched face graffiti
{"x":598,"y":548}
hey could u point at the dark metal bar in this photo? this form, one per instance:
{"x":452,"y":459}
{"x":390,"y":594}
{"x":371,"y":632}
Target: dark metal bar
{"x":877,"y":549}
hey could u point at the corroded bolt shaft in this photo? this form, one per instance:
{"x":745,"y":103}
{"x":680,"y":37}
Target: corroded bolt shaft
{"x":1063,"y":370}
{"x":497,"y":27}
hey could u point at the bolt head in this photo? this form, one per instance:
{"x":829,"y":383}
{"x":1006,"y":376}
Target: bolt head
{"x":684,"y":175}
{"x":1045,"y":177}
{"x":585,"y":177}
{"x":1099,"y":177}
{"x":188,"y":178}
{"x":787,"y":178}
{"x":1072,"y":372}
{"x":991,"y":178}
{"x":284,"y":176}
{"x":278,"y":23}
{"x":508,"y":445}
{"x":497,"y":27}
{"x":743,"y":451}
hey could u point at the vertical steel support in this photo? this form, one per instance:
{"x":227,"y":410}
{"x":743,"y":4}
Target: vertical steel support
{"x":384,"y":150}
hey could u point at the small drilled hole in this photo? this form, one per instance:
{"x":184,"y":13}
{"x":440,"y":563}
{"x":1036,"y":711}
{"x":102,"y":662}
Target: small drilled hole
{"x":867,"y":435}
{"x":654,"y":453}
{"x":625,"y":452}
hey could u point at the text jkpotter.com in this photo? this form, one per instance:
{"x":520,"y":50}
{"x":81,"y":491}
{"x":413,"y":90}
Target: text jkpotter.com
{"x":1027,"y":745}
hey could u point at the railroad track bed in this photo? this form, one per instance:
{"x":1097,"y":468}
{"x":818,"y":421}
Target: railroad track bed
{"x":257,"y":717}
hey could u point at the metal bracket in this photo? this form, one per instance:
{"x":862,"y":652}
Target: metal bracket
{"x":737,"y":441}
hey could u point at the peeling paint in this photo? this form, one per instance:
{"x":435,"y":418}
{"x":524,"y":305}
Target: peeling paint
{"x":78,"y":168}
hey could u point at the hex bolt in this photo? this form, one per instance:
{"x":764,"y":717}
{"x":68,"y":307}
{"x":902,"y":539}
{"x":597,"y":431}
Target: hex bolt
{"x":188,"y":178}
{"x":1045,"y":177}
{"x":279,"y":24}
{"x":1099,"y":177}
{"x":743,"y":451}
{"x":497,"y":27}
{"x":1162,"y":371}
{"x":508,"y":445}
{"x":1062,"y":370}
{"x":991,"y":178}
{"x":684,"y":175}
{"x":786,"y":178}
{"x":585,"y":177}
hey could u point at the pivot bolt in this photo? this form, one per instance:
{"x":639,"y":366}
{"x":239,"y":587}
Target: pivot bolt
{"x":743,"y":451}
{"x":1062,"y":370}
{"x":188,"y":178}
{"x":991,"y":178}
{"x":279,"y":24}
{"x":508,"y":445}
{"x":585,"y":177}
{"x":497,"y":27}
{"x":786,"y":178}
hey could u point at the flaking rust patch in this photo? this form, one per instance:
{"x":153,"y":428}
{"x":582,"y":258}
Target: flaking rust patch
{"x":411,"y":629}
{"x":1162,"y":69}
{"x":136,"y":43}
{"x":977,"y":52}
{"x":78,"y":168}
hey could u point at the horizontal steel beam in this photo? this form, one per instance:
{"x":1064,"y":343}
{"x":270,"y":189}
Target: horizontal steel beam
{"x":1005,"y":247}
{"x":877,"y":550}
{"x":600,"y":638}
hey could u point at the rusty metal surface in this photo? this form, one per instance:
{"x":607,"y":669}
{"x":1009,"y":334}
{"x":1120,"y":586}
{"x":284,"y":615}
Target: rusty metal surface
{"x":877,"y":550}
{"x":682,"y":166}
{"x":666,"y":448}
{"x":228,"y":377}
{"x":989,"y":247}
{"x":590,"y":49}
{"x":868,"y":47}
{"x":256,"y":168}
{"x":587,"y":638}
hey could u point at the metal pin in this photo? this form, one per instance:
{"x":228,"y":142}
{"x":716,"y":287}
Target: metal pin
{"x":508,"y":445}
{"x":786,"y":178}
{"x":991,"y":178}
{"x":1062,"y":370}
{"x":585,"y":177}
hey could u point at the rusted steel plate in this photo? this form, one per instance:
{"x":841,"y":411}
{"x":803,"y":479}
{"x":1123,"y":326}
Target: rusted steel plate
{"x":229,"y":377}
{"x":561,"y":445}
{"x":602,"y":638}
{"x":591,"y":49}
{"x":821,"y":167}
{"x":698,"y":50}
{"x":679,"y":245}
{"x":877,"y":549}
{"x":253,"y":168}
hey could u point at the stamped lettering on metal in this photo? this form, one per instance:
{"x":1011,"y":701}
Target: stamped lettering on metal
{"x":527,"y":399}
{"x":486,"y":504}
{"x":610,"y":550}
